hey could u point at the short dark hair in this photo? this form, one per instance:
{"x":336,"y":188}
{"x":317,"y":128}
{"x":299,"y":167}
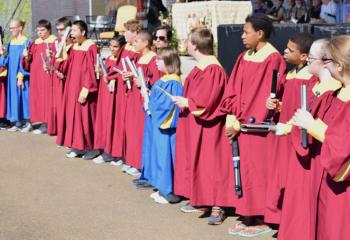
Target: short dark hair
{"x":65,"y":21}
{"x":303,"y":41}
{"x":203,"y":39}
{"x":146,"y":36}
{"x":82,"y":26}
{"x":45,"y":24}
{"x":169,"y":32}
{"x":261,"y":22}
{"x":120,"y":39}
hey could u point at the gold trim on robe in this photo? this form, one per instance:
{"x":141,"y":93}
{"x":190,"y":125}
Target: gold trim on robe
{"x":344,"y":94}
{"x":167,"y":122}
{"x":260,"y":55}
{"x":19,"y":41}
{"x":146,"y":58}
{"x":329,"y":85}
{"x":129,"y":47}
{"x":84,"y":92}
{"x":318,"y":130}
{"x":303,"y":74}
{"x":343,"y":173}
{"x":20,"y":76}
{"x":232,"y":122}
{"x":50,"y":39}
{"x":205,"y":61}
{"x":168,"y":77}
{"x":84,"y":46}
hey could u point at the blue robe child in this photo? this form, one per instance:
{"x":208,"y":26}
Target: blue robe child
{"x":17,"y":99}
{"x":159,"y":135}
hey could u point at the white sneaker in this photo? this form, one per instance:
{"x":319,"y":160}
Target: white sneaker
{"x":117,"y":163}
{"x":26,"y":128}
{"x":98,"y":159}
{"x":160,"y":199}
{"x":41,"y":130}
{"x":125,"y":168}
{"x":154,"y":195}
{"x":13,"y":129}
{"x":133,"y":172}
{"x":74,"y":153}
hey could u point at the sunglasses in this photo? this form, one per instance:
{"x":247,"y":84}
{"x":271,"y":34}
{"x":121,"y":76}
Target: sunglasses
{"x":60,"y":29}
{"x":161,"y":38}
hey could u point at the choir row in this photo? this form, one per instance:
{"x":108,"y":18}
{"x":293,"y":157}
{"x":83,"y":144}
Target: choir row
{"x":272,"y":145}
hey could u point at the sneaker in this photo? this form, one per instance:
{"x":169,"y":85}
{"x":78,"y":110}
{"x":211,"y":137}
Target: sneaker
{"x":217,"y":216}
{"x":133,"y":172}
{"x":89,"y":155}
{"x":160,"y":199}
{"x":41,"y":130}
{"x":27,"y":128}
{"x":14,"y":128}
{"x":74,"y":153}
{"x":98,"y":159}
{"x":143,"y":185}
{"x":117,"y":163}
{"x":189,"y":209}
{"x":125,"y":168}
{"x":154,"y":195}
{"x":3,"y":125}
{"x":107,"y":158}
{"x":172,"y":198}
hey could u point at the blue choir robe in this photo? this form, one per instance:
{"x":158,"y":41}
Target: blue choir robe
{"x":17,"y":99}
{"x":158,"y":148}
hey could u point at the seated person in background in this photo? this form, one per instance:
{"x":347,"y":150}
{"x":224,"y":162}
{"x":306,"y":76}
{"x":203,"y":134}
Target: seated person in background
{"x":314,"y":11}
{"x":299,"y":12}
{"x":259,"y":7}
{"x":287,"y":15}
{"x":278,"y":11}
{"x":268,"y":7}
{"x":328,"y":12}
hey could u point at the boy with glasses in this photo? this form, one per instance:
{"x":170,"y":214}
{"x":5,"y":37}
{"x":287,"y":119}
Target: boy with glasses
{"x":293,"y":168}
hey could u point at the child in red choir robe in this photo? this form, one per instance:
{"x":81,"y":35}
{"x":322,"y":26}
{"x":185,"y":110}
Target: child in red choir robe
{"x":135,"y":113}
{"x":117,"y":146}
{"x":328,"y":124}
{"x":42,"y":49}
{"x":106,"y":104}
{"x":203,"y":169}
{"x":56,"y":85}
{"x":295,"y":54}
{"x":292,"y":171}
{"x":80,"y":96}
{"x":249,"y":87}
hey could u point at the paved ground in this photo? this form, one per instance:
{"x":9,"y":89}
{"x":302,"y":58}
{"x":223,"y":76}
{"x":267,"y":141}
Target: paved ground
{"x":44,"y":196}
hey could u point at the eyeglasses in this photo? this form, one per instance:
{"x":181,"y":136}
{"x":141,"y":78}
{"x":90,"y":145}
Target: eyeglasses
{"x":60,"y":29}
{"x":323,"y":59}
{"x":161,"y":38}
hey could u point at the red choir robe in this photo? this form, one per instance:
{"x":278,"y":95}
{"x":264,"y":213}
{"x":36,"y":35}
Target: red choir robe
{"x":203,"y":168}
{"x":329,"y":200}
{"x":294,"y":167}
{"x":135,"y":114}
{"x":40,"y":80}
{"x":105,"y":111}
{"x":55,"y":93}
{"x":77,"y":121}
{"x":290,"y":102}
{"x":115,"y":139}
{"x":3,"y":90}
{"x":249,"y":87}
